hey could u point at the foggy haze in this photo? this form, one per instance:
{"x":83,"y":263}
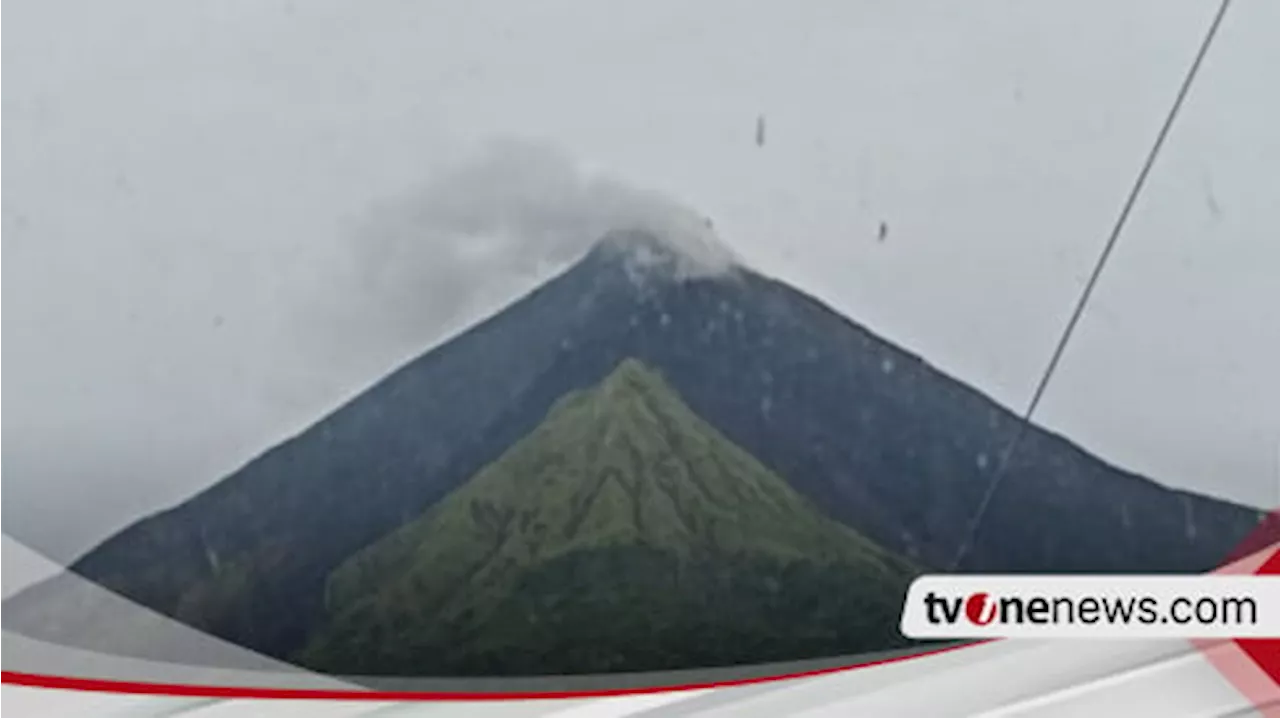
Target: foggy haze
{"x":224,"y":219}
{"x":511,"y":213}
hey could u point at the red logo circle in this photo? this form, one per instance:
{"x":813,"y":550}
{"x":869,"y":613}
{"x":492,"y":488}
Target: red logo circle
{"x":980,"y":609}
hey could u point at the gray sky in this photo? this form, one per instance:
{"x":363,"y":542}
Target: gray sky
{"x":210,"y":208}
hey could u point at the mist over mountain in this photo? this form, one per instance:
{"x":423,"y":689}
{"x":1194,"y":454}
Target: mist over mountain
{"x":870,"y":434}
{"x":445,"y":250}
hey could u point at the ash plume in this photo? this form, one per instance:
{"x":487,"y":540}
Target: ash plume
{"x":477,"y":234}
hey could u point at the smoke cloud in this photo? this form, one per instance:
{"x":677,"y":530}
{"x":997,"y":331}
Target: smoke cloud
{"x":487,"y":229}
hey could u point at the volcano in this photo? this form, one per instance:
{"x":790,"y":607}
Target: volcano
{"x":837,"y":447}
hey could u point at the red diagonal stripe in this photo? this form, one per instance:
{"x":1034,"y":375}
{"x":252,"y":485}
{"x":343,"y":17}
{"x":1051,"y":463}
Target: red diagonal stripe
{"x":1266,"y":534}
{"x":97,"y":685}
{"x":1266,"y":652}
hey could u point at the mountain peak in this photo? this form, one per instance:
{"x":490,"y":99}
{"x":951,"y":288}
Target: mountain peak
{"x":688,"y":249}
{"x":622,"y":488}
{"x":630,"y":375}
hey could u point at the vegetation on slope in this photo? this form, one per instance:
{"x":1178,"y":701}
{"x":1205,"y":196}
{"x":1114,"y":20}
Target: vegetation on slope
{"x":624,"y":533}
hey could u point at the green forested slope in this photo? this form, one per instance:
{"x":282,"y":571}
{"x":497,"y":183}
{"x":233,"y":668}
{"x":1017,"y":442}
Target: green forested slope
{"x":624,"y":533}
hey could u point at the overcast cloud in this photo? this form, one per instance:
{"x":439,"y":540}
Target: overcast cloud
{"x":498,"y":221}
{"x":224,"y":218}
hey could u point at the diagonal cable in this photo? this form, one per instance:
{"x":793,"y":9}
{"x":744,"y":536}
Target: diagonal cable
{"x":1002,"y":468}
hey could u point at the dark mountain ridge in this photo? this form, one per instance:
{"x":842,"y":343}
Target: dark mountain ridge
{"x":880,"y":440}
